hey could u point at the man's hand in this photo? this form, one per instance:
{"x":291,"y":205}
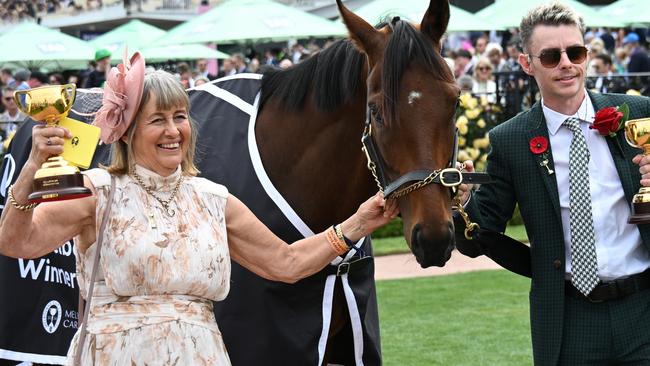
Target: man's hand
{"x":644,"y":168}
{"x":464,"y":189}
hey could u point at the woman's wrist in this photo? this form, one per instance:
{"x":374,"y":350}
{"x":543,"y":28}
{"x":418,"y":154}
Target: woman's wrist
{"x":354,"y":229}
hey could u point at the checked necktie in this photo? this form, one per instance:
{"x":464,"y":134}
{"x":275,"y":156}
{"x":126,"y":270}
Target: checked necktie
{"x":583,"y":244}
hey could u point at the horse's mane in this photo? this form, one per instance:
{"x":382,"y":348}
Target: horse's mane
{"x":406,"y":46}
{"x":336,"y":71}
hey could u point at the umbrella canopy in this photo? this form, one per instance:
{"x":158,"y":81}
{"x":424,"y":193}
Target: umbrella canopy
{"x":239,"y":21}
{"x":137,"y":35}
{"x":33,"y":46}
{"x":134,"y":35}
{"x":413,"y":10}
{"x":628,"y":11}
{"x":181,"y":52}
{"x":508,"y":13}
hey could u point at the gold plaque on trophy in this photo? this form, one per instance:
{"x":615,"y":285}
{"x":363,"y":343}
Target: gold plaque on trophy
{"x":56,"y":180}
{"x":637,"y":134}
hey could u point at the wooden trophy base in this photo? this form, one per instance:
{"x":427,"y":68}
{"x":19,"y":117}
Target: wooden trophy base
{"x":59,"y":188}
{"x":640,"y":213}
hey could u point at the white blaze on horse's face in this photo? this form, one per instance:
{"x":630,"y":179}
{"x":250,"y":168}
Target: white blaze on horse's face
{"x":413,"y":96}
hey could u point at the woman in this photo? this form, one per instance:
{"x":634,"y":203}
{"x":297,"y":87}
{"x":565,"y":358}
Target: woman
{"x":483,"y":83}
{"x":170,"y":235}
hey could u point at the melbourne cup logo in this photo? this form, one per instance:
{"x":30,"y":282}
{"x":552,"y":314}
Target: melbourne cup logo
{"x":51,"y":316}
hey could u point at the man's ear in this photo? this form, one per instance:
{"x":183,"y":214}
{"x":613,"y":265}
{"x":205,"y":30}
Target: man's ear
{"x":524,"y":61}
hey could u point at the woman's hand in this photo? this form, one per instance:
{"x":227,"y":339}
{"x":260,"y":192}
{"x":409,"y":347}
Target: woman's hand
{"x":372,"y":214}
{"x":47,"y":141}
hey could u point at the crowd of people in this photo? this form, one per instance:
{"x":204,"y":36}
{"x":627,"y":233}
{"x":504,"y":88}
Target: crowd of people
{"x":485,"y":62}
{"x":590,"y":268}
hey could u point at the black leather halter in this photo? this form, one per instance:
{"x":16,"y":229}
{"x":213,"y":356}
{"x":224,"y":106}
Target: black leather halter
{"x":449,"y":176}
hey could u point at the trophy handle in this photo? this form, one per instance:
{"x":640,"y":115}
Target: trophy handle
{"x":69,"y":92}
{"x":631,"y":133}
{"x":21,"y":97}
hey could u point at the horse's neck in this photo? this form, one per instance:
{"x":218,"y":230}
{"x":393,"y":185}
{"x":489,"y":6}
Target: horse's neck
{"x":315,"y":161}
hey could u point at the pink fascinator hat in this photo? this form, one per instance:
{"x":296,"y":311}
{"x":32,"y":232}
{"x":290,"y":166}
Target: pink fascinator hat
{"x":122,"y":96}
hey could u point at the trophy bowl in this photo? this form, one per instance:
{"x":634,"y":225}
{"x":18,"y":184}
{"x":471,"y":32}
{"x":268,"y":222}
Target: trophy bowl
{"x":637,"y":134}
{"x":56,"y":180}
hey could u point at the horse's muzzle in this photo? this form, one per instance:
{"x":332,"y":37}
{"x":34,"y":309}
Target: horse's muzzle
{"x":432,"y":246}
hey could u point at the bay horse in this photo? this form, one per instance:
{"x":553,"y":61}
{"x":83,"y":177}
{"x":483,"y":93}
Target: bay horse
{"x":309,"y":121}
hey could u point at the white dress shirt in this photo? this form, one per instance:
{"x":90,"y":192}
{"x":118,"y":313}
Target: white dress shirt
{"x":619,"y":249}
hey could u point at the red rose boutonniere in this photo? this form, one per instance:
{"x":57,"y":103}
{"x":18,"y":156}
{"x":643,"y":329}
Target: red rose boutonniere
{"x":610,"y":120}
{"x":538,"y":145}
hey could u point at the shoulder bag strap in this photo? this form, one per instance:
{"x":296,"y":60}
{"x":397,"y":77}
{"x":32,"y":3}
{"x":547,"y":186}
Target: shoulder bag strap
{"x":91,"y":285}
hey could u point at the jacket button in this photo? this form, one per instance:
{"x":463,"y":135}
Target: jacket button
{"x":557,"y":264}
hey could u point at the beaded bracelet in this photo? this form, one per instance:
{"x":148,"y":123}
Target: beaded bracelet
{"x":337,"y":244}
{"x":12,"y":200}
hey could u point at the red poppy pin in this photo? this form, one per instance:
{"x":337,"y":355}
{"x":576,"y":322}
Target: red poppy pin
{"x":538,"y":145}
{"x":608,"y":121}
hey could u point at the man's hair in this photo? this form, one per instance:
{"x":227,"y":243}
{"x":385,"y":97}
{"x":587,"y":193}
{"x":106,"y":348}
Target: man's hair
{"x":605,"y":58}
{"x":40,"y":76}
{"x":6,"y":89}
{"x":6,"y":71}
{"x":463,"y":53}
{"x":553,"y":14}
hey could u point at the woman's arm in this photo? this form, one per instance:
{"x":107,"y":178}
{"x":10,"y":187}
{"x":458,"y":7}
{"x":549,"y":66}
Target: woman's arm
{"x":255,"y":247}
{"x":36,"y":232}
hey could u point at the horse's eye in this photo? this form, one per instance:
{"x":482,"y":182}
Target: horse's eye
{"x":376,"y":114}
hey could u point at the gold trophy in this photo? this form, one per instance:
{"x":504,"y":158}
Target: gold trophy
{"x":56,"y":180}
{"x":637,"y":134}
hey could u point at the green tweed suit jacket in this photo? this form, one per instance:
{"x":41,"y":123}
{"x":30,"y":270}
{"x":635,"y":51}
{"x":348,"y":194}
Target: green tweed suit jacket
{"x":518,"y":178}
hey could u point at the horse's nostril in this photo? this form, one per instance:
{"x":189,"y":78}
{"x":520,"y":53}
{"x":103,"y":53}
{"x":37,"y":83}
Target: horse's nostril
{"x":415,"y":237}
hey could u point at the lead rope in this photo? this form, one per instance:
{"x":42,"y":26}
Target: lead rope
{"x":91,"y":286}
{"x":469,"y":225}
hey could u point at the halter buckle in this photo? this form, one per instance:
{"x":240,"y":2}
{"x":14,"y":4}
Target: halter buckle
{"x":451,"y":170}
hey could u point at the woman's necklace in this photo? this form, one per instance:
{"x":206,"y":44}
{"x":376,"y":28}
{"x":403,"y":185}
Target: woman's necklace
{"x":165,"y":203}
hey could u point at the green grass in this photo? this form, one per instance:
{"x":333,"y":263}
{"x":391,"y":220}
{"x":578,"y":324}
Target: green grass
{"x":472,"y":319}
{"x":397,"y":245}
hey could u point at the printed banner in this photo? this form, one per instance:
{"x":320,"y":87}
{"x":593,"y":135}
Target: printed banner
{"x":38,"y":297}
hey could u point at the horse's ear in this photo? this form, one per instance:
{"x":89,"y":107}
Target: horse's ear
{"x":363,"y":35}
{"x":435,"y":21}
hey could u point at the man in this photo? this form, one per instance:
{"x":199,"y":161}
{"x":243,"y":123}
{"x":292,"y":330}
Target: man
{"x":480,"y":46}
{"x":605,"y":82}
{"x":227,"y":69}
{"x":202,"y":69}
{"x":463,"y":63}
{"x":639,"y":60}
{"x":590,"y":287}
{"x":97,"y":77}
{"x":37,"y":79}
{"x":21,"y":76}
{"x":11,"y":114}
{"x":7,"y":78}
{"x":239,"y":63}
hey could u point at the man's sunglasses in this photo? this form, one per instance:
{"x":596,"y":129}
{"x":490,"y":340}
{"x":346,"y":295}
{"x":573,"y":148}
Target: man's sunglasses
{"x":550,"y":57}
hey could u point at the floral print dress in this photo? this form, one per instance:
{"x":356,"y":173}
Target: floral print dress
{"x":158,"y":275}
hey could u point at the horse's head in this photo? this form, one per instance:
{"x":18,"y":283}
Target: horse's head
{"x":411,"y":105}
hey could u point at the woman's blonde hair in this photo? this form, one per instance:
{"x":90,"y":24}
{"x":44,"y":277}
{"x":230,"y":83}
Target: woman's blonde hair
{"x":482,"y":61}
{"x":168,"y":93}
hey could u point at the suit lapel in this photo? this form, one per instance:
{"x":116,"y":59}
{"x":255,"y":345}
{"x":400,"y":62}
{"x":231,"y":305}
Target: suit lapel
{"x":538,"y":127}
{"x":621,"y":152}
